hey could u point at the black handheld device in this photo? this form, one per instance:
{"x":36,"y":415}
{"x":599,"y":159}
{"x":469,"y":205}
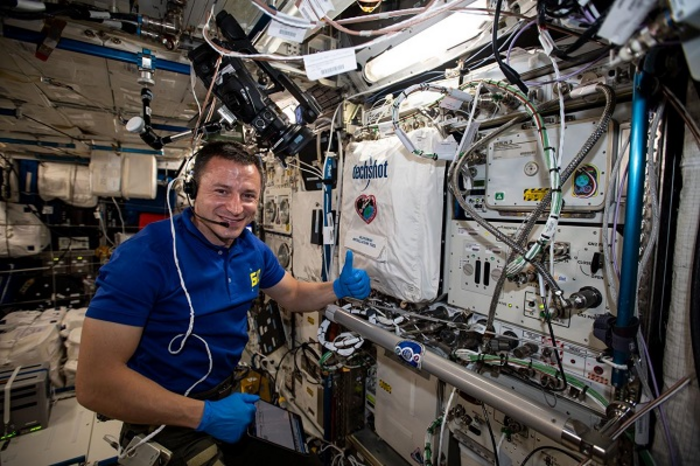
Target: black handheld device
{"x":278,"y":426}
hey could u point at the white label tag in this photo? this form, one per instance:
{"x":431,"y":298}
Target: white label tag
{"x":320,"y":7}
{"x":281,"y":31}
{"x":328,"y":236}
{"x":450,"y":103}
{"x":323,"y":64}
{"x":292,"y":21}
{"x":325,"y":5}
{"x":307,"y":11}
{"x":365,"y":243}
{"x":624,"y":18}
{"x":422,"y":140}
{"x":446,"y":148}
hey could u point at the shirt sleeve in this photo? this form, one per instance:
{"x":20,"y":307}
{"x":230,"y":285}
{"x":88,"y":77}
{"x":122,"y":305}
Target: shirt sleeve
{"x":128,"y":285}
{"x":273,"y":272}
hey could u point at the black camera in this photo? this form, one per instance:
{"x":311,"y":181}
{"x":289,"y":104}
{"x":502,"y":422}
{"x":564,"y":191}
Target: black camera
{"x":243,"y":96}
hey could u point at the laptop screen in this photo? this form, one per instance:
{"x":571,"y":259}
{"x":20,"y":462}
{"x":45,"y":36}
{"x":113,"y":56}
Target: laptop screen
{"x":279,"y":426}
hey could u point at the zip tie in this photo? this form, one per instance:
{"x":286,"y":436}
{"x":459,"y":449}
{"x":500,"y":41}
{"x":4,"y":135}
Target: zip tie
{"x":608,"y":360}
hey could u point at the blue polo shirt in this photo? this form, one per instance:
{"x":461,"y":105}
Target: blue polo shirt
{"x":140,"y":286}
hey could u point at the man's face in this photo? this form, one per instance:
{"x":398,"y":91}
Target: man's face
{"x":227,"y":192}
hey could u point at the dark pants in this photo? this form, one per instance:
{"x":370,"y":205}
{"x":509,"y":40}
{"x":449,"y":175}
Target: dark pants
{"x":192,"y":448}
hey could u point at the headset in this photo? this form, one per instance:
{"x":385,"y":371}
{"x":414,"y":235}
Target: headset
{"x":189,"y":185}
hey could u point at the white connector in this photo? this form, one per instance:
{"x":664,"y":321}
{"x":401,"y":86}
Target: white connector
{"x":583,"y":91}
{"x":461,"y":95}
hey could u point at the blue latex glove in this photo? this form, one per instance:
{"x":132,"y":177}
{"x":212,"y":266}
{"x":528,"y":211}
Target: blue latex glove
{"x":353,"y":283}
{"x":227,"y":419}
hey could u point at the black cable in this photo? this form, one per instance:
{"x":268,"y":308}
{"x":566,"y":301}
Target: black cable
{"x":388,"y":90}
{"x":291,"y":350}
{"x":555,"y":9}
{"x":306,"y":347}
{"x":72,"y":138}
{"x":493,"y":439}
{"x":545,"y":447}
{"x":548,"y":319}
{"x":279,"y":366}
{"x":511,"y":75}
{"x":583,"y":39}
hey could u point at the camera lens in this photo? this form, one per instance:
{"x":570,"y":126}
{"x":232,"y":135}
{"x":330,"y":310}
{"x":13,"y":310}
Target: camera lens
{"x":292,"y":141}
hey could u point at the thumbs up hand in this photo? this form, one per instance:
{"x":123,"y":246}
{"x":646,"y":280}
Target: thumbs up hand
{"x":353,"y":283}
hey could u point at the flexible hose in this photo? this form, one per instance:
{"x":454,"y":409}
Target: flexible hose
{"x":601,"y":128}
{"x":453,"y":176}
{"x":694,"y":307}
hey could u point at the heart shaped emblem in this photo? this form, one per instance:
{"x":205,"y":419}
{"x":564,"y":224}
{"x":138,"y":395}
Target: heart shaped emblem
{"x":366,"y":207}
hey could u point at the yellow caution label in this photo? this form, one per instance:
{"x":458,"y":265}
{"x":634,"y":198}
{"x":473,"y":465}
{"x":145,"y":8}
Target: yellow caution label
{"x":385,"y":386}
{"x":534,"y":194}
{"x":310,"y":320}
{"x":309,"y":391}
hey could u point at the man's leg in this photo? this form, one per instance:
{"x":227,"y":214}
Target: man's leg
{"x":250,"y":451}
{"x":188,"y":447}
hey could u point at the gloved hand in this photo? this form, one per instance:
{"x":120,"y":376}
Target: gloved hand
{"x":227,"y":419}
{"x":352,"y":282}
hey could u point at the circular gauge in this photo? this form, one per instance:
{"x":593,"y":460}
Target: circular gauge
{"x":284,"y":211}
{"x":270,"y":211}
{"x":284,"y":255}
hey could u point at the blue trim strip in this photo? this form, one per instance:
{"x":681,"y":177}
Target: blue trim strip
{"x":327,"y":207}
{"x":171,"y":128}
{"x":60,"y":158}
{"x":8,"y":112}
{"x":30,"y":142}
{"x":108,"y":461}
{"x":26,"y":35}
{"x":65,"y":145}
{"x":76,"y":460}
{"x":127,"y":150}
{"x":633,"y":215}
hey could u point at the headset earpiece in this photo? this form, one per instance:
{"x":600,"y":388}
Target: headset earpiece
{"x":189,"y":187}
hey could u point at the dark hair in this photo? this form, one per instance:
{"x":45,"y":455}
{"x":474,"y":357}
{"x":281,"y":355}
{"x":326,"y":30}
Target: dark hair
{"x":232,"y":151}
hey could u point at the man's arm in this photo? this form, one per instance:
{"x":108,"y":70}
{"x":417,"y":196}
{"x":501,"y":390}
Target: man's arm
{"x":298,"y":296}
{"x":106,"y":385}
{"x":295,"y":295}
